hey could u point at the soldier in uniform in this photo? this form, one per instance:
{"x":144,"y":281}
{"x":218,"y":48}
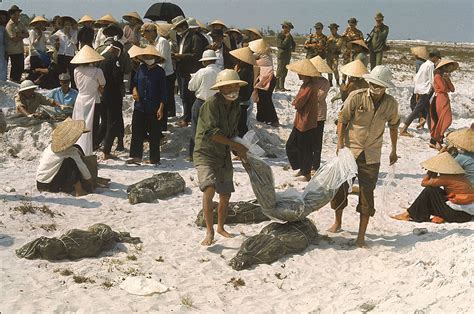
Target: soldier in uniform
{"x":286,"y":45}
{"x":316,"y":44}
{"x":334,"y":46}
{"x":350,"y":34}
{"x":377,"y":41}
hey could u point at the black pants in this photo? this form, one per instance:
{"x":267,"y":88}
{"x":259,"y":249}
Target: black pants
{"x":96,"y":136}
{"x":143,"y":124}
{"x":265,"y":109}
{"x":64,"y":180}
{"x":35,"y":62}
{"x":187,"y":96}
{"x":17,"y":63}
{"x":422,"y":105}
{"x":300,"y":148}
{"x":318,"y":145}
{"x":170,"y":106}
{"x":432,"y":202}
{"x":65,"y":66}
{"x":114,"y":122}
{"x":242,"y":125}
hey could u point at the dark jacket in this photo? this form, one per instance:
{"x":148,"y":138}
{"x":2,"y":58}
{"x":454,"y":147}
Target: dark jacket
{"x":246,"y":74}
{"x":85,"y":36}
{"x":194,"y":45}
{"x":113,"y":74}
{"x":286,"y":45}
{"x":151,"y":86}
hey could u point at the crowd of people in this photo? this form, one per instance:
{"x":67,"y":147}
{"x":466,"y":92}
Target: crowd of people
{"x":89,"y":65}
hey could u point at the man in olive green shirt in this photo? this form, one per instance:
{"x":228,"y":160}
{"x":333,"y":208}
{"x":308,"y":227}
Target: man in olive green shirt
{"x":15,"y":33}
{"x":360,"y":128}
{"x":378,"y":41}
{"x":286,"y":45}
{"x":216,"y":128}
{"x":27,"y":100}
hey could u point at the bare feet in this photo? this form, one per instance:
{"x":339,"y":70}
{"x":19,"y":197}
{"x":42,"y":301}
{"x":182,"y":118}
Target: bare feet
{"x":405,"y":133}
{"x":209,"y":239}
{"x":134,"y":160}
{"x":355,"y":190}
{"x":109,"y":156}
{"x":224,"y":233}
{"x":360,"y":243}
{"x":421,"y":125}
{"x":335,"y":228}
{"x":437,"y":220}
{"x":298,"y":174}
{"x":405,"y":216}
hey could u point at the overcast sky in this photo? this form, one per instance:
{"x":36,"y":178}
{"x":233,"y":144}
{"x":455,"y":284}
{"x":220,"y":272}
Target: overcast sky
{"x":436,"y":20}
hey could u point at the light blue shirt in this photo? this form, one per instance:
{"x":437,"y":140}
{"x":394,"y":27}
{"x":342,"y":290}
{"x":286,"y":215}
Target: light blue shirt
{"x":68,"y":99}
{"x":466,"y":160}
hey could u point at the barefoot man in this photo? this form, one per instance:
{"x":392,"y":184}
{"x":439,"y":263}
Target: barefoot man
{"x":361,"y":126}
{"x":217,"y":125}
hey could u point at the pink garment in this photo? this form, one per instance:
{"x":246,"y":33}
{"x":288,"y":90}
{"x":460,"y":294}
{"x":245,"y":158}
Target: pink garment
{"x":265,"y":63}
{"x":441,"y":115}
{"x":322,"y":86}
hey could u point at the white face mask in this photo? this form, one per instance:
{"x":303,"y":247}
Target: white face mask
{"x":231,"y":96}
{"x":376,"y":91}
{"x":149,"y":61}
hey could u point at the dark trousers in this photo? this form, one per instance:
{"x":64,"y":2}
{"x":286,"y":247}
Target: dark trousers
{"x":187,"y":96}
{"x":367,"y":176}
{"x":432,"y":202}
{"x":318,"y":145}
{"x":170,"y":106}
{"x":282,"y":72}
{"x":96,"y":132}
{"x":265,"y":109}
{"x":143,"y":124}
{"x":114,"y":123}
{"x":17,"y":63}
{"x":242,"y":127}
{"x":194,"y":120}
{"x":422,"y":105}
{"x":300,"y":148}
{"x":65,"y":65}
{"x":35,"y":62}
{"x":64,"y":180}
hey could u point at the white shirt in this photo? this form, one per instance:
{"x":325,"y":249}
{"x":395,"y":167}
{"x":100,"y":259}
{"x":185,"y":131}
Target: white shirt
{"x":99,"y":38}
{"x":220,"y":58}
{"x":36,"y":43}
{"x":164,"y":49}
{"x":181,"y":43}
{"x":202,"y":81}
{"x":424,"y":78}
{"x":51,"y":162}
{"x":67,"y":45}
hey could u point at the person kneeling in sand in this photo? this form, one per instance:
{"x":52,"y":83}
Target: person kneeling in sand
{"x":27,"y":100}
{"x":452,"y":203}
{"x":217,"y":125}
{"x":61,"y":167}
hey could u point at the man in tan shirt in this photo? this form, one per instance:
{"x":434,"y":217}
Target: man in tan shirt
{"x":16,"y":32}
{"x":360,"y":128}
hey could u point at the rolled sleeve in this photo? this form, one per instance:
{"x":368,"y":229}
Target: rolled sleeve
{"x":394,"y":119}
{"x":345,"y":115}
{"x":208,"y":115}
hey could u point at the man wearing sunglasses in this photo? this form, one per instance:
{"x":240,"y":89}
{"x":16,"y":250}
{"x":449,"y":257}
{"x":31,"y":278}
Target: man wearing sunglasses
{"x":360,"y":128}
{"x":316,"y":45}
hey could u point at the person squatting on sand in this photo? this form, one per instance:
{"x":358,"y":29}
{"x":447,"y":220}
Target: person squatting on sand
{"x":360,"y":128}
{"x":217,"y":125}
{"x":28,"y":101}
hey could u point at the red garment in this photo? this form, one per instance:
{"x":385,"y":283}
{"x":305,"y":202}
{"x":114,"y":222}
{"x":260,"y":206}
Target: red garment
{"x":306,"y":105}
{"x":441,"y":115}
{"x":458,"y":188}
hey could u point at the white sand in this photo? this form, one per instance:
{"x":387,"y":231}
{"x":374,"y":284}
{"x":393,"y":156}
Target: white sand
{"x":401,"y":272}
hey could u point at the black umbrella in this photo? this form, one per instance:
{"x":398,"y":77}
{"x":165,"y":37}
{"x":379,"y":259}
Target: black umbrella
{"x":163,"y":11}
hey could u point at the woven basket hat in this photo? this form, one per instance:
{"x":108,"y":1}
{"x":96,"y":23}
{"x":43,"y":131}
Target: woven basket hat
{"x":87,"y":55}
{"x":259,"y":46}
{"x":107,"y":19}
{"x":420,"y":52}
{"x":132,"y":15}
{"x":85,"y":19}
{"x":66,"y":134}
{"x":355,"y":68}
{"x":38,"y":19}
{"x":445,"y":62}
{"x":443,"y":163}
{"x":244,"y":54}
{"x":462,"y":139}
{"x":321,"y":65}
{"x":303,"y":67}
{"x":227,"y":77}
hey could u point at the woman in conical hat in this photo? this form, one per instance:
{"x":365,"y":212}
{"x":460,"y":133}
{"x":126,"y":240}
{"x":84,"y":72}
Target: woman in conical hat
{"x":37,"y":48}
{"x":440,"y":108}
{"x":103,"y":22}
{"x":447,"y":195}
{"x":86,"y":33}
{"x":90,"y":82}
{"x":354,"y":71}
{"x":61,"y":167}
{"x":461,"y":147}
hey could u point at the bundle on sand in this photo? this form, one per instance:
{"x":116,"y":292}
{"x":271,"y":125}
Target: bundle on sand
{"x":275,"y":241}
{"x":237,"y":212}
{"x":159,"y":186}
{"x":75,"y":244}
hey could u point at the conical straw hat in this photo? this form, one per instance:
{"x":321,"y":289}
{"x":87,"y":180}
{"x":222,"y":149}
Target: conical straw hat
{"x":106,"y":19}
{"x":355,"y":68}
{"x":133,"y":15}
{"x":38,"y":19}
{"x":303,"y":67}
{"x":87,"y":55}
{"x":443,"y":163}
{"x":85,"y":19}
{"x":164,"y":29}
{"x":462,"y":139}
{"x":420,"y":52}
{"x":244,"y":54}
{"x":66,"y":134}
{"x":321,"y":65}
{"x":254,"y":31}
{"x":259,"y":46}
{"x":132,"y":52}
{"x":444,"y":62}
{"x":361,"y":43}
{"x":150,"y":50}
